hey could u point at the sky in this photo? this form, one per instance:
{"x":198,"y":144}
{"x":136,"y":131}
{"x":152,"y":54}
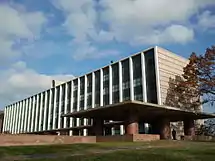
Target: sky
{"x":42,"y":40}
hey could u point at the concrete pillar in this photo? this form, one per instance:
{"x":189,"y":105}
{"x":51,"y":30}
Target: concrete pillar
{"x":162,"y":127}
{"x":120,"y":82}
{"x":189,"y":127}
{"x":131,"y":124}
{"x":131,"y":79}
{"x":101,"y":87}
{"x":93,"y":90}
{"x":165,"y":130}
{"x":143,"y":77}
{"x":98,"y":126}
{"x":45,"y":111}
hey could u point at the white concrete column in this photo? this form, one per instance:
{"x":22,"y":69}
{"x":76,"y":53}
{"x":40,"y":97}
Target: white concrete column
{"x":66,"y":100}
{"x":45,"y":111}
{"x":121,"y":130}
{"x":26,"y":115}
{"x":143,"y":77}
{"x":85,"y":103}
{"x":54,"y":113}
{"x":29,"y":114}
{"x":120,"y":82}
{"x":60,"y":104}
{"x":5,"y":119}
{"x":17,"y":117}
{"x":101,"y":87}
{"x":41,"y":111}
{"x":20,"y":117}
{"x":10,"y":118}
{"x":33,"y":114}
{"x":110,"y":85}
{"x":131,"y":79}
{"x":37,"y":112}
{"x":93,"y":89}
{"x":71,"y":106}
{"x":157,"y":73}
{"x":49,"y":107}
{"x":78,"y":100}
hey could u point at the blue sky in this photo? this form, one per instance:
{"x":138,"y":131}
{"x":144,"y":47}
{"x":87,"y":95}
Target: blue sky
{"x":58,"y":39}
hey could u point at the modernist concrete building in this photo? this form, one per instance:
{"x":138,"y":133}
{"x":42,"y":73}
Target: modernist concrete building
{"x":102,"y":97}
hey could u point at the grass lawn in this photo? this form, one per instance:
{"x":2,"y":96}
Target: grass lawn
{"x":147,"y":151}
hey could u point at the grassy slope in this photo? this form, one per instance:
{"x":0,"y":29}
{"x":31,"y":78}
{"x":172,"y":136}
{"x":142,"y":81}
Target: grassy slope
{"x":154,"y":151}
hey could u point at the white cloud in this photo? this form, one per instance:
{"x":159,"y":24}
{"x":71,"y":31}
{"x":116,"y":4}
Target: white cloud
{"x":135,"y":21}
{"x":19,"y":81}
{"x":141,"y":20}
{"x":206,"y":20}
{"x":17,"y":25}
{"x":88,"y":51}
{"x":82,"y":24}
{"x":171,"y":34}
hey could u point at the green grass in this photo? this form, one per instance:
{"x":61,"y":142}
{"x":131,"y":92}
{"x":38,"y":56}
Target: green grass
{"x":150,"y":151}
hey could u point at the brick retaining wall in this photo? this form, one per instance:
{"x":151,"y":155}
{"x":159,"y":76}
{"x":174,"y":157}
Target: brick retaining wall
{"x":43,"y":139}
{"x":15,"y":140}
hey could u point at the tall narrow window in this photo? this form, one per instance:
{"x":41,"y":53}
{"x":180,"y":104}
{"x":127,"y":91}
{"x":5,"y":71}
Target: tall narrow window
{"x":89,"y":91}
{"x":68,"y":104}
{"x":75,"y":94}
{"x":150,"y":77}
{"x":97,"y":88}
{"x":82,"y":82}
{"x":57,"y":107}
{"x":105,"y":86}
{"x":125,"y":80}
{"x":137,"y":76}
{"x":115,"y":83}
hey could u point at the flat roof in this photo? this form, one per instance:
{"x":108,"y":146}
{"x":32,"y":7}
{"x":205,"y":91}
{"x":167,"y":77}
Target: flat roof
{"x":145,"y":111}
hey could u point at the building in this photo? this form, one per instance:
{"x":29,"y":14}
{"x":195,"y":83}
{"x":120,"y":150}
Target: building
{"x":1,"y":121}
{"x":142,"y":77}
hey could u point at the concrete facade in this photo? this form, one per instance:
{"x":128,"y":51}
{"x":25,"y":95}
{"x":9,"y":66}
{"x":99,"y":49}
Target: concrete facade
{"x":142,"y":77}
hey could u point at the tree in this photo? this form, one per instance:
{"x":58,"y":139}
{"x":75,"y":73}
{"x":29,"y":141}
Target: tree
{"x":198,"y":80}
{"x":206,"y":75}
{"x":208,"y":129}
{"x":188,"y":87}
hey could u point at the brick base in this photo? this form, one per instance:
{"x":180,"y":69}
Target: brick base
{"x":19,"y":140}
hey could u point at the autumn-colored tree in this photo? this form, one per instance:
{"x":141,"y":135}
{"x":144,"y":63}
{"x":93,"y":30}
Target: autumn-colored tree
{"x":188,"y":87}
{"x":206,"y":75}
{"x":198,"y":80}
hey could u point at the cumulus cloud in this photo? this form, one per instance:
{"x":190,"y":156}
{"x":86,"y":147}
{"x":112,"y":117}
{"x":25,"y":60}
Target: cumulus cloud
{"x":19,"y":81}
{"x":143,"y":21}
{"x":171,"y":34}
{"x":82,"y":23}
{"x":88,"y":51}
{"x":206,"y":20}
{"x":17,"y":25}
{"x":136,"y":22}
